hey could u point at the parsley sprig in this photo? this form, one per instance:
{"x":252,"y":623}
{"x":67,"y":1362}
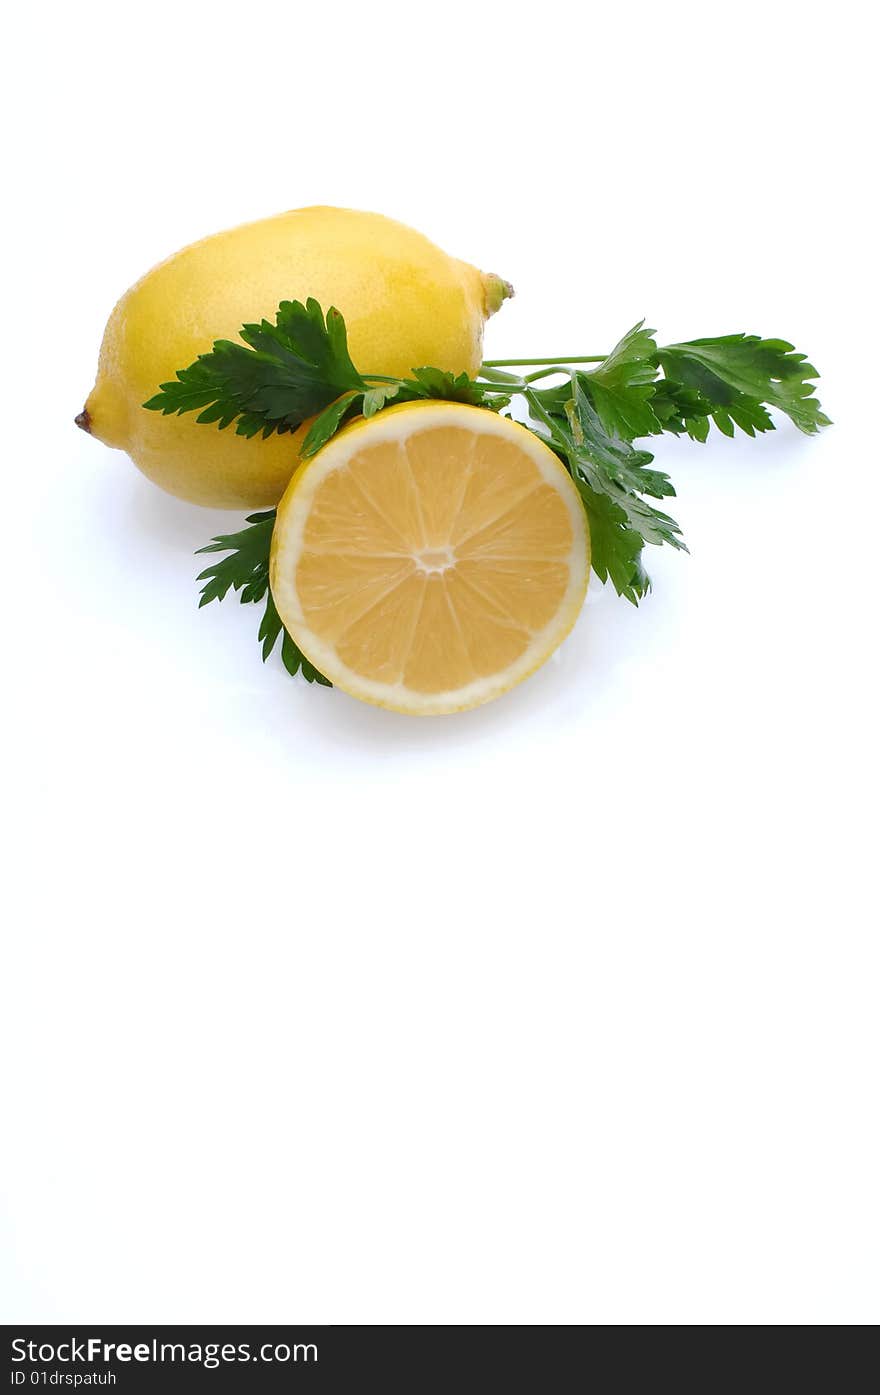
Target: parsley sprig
{"x":281,"y":374}
{"x":640,"y":390}
{"x":246,"y":570}
{"x":296,"y":368}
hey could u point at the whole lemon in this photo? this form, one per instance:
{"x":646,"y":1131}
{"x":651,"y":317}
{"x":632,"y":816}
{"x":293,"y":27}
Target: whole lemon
{"x":406,"y":304}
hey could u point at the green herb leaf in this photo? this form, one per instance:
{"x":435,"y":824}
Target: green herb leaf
{"x":281,"y":374}
{"x":611,"y":467}
{"x":329,"y":422}
{"x":270,"y":627}
{"x":682,"y":410}
{"x":612,"y":477}
{"x":686,"y":409}
{"x":616,"y":549}
{"x":246,"y":570}
{"x":612,"y":453}
{"x":292,"y":657}
{"x":295,"y":662}
{"x":621,"y":389}
{"x":739,"y":372}
{"x":435,"y":383}
{"x":378,"y":397}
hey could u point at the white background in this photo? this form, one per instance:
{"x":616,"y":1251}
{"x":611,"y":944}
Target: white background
{"x":562,"y":1010}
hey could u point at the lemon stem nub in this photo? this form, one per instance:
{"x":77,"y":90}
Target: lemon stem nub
{"x":84,"y":421}
{"x":497,"y":291}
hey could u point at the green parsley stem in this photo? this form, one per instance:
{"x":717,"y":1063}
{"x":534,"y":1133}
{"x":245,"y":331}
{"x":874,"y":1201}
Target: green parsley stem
{"x":511,"y":382}
{"x":545,"y":373}
{"x":508,"y":380}
{"x":538,"y":410}
{"x":498,"y":378}
{"x":542,"y":362}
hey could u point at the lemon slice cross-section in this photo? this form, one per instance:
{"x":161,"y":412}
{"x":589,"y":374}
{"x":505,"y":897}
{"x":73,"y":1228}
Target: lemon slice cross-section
{"x":429,"y":559}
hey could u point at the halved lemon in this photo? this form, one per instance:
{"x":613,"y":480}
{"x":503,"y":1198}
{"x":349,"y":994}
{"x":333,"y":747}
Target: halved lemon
{"x":430,"y":558}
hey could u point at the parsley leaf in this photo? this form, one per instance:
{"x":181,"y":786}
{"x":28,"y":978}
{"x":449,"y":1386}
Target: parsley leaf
{"x":281,"y":374}
{"x":681,"y":410}
{"x":435,"y":383}
{"x":378,"y":397}
{"x":622,"y":387}
{"x":615,"y":548}
{"x":246,"y":570}
{"x":612,"y":477}
{"x":613,"y":468}
{"x":612,"y":453}
{"x":737,"y":373}
{"x":247,"y":567}
{"x":329,"y":422}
